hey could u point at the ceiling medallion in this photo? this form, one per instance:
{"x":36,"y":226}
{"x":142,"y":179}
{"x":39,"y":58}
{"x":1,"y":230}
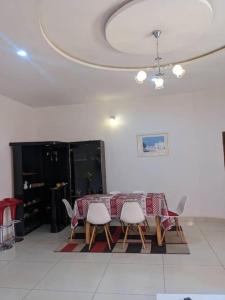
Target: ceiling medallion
{"x":138,"y":36}
{"x":158,"y":78}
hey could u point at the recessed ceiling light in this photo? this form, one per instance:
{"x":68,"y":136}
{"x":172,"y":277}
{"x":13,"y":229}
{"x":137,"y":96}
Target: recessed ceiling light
{"x":22,"y":53}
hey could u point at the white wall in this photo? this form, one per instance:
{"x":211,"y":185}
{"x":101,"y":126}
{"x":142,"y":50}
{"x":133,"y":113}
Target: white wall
{"x":194,"y":166}
{"x":194,"y":122}
{"x":16,"y":124}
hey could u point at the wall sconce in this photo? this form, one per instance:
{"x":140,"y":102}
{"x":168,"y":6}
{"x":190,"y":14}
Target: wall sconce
{"x":113,"y":120}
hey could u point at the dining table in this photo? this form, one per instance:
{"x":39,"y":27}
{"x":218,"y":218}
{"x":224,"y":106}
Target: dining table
{"x":152,"y":204}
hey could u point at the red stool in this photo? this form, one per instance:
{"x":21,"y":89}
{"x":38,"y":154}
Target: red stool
{"x":3,"y":205}
{"x":10,"y":203}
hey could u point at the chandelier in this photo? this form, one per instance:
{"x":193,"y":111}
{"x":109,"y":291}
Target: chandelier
{"x":158,"y":78}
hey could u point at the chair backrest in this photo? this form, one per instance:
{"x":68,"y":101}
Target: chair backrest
{"x":68,"y":208}
{"x":114,"y":192}
{"x":98,"y":214}
{"x":139,"y":192}
{"x":132,"y":213}
{"x":181,"y":204}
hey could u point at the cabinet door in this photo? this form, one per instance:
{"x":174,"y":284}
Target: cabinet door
{"x":56,"y":164}
{"x":86,"y":168}
{"x":17,"y":171}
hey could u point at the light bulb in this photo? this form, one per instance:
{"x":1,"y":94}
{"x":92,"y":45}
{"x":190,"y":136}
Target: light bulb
{"x":140,"y":77}
{"x":178,"y":71}
{"x":159,"y":82}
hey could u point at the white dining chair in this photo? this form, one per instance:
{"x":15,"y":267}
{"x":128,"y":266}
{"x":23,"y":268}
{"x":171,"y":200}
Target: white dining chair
{"x":132,"y":214}
{"x":70,"y":213}
{"x":144,"y":193}
{"x":114,"y":192}
{"x":176,"y":214}
{"x":98,"y":215}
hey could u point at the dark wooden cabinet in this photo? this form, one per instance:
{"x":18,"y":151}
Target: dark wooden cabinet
{"x":38,"y":167}
{"x":87,"y":161}
{"x":46,"y":172}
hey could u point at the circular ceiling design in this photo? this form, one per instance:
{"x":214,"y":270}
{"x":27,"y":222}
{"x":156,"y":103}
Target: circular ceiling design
{"x":130,"y":28}
{"x":119,"y":37}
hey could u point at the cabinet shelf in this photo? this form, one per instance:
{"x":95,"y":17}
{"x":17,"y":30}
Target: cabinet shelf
{"x":35,"y":185}
{"x":31,"y":215}
{"x":29,"y":173}
{"x":32,"y":203}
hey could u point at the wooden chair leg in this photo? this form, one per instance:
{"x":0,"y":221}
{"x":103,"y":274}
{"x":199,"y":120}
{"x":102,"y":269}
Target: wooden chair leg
{"x":95,"y":234}
{"x":92,"y":237}
{"x":122,"y":226}
{"x":126,"y":233}
{"x":181,"y":234}
{"x":147,"y":225}
{"x":177,"y":225}
{"x":158,"y":230}
{"x":163,"y":236}
{"x":108,"y":229}
{"x":141,"y":235}
{"x":71,"y":235}
{"x":107,"y":237}
{"x":87,"y":232}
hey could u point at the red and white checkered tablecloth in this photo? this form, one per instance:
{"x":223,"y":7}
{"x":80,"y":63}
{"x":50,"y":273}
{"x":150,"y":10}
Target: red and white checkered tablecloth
{"x":153,"y":204}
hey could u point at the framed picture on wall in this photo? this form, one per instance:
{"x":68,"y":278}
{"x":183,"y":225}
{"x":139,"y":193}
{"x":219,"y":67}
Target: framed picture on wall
{"x":153,"y":144}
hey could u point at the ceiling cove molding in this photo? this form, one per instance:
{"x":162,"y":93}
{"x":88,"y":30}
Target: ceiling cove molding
{"x":91,"y":64}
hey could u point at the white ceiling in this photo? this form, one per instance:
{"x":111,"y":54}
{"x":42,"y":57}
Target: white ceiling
{"x":106,"y":32}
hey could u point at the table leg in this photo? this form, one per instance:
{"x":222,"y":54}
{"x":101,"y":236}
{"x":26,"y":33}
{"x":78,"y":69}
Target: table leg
{"x":158,"y":230}
{"x":87,"y":232}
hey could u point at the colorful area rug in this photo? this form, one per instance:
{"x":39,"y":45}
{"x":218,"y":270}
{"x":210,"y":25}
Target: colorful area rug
{"x":172,"y":244}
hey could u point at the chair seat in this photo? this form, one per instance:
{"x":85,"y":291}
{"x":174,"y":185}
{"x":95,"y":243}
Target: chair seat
{"x":172,"y":214}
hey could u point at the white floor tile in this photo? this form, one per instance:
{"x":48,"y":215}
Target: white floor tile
{"x":23,"y":274}
{"x":123,"y":297}
{"x":130,"y":258}
{"x":38,"y":253}
{"x":200,"y":254}
{"x":220,"y":252}
{"x":12,"y":294}
{"x":132,"y":279}
{"x":87,"y":257}
{"x":115,"y":276}
{"x":3,"y":263}
{"x":193,"y":234}
{"x":192,"y":296}
{"x":73,"y":276}
{"x":194,"y":279}
{"x":211,"y":226}
{"x":215,"y":237}
{"x":8,"y":254}
{"x":203,"y":259}
{"x":217,"y":242}
{"x":59,"y":295}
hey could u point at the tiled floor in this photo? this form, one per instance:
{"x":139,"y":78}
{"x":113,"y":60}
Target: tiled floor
{"x":32,"y":271}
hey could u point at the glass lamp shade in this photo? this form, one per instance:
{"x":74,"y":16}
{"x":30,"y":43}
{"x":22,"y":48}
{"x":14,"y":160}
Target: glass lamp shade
{"x":140,"y":77}
{"x":159,"y":82}
{"x":178,"y":71}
